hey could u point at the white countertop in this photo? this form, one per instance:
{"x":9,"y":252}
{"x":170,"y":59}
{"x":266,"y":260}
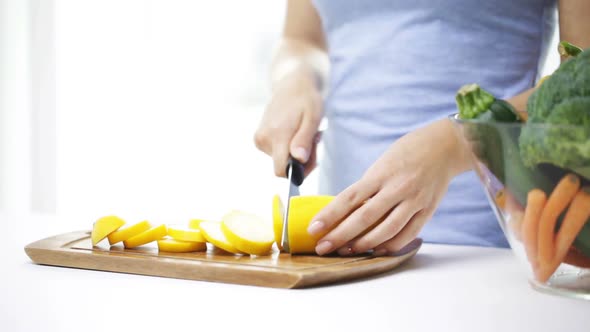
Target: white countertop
{"x":443,"y":288}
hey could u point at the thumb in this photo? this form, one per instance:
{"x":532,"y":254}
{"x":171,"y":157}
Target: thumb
{"x":303,"y":140}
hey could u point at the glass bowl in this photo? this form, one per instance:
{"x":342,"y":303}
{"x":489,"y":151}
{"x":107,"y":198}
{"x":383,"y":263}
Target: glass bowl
{"x":553,"y":242}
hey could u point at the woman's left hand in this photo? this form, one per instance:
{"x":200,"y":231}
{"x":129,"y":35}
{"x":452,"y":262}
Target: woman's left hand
{"x":389,"y":205}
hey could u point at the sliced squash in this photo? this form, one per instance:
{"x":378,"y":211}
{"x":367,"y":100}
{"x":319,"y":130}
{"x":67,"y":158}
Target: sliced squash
{"x":212,"y":232}
{"x":105,"y":226}
{"x":248,"y":232}
{"x":128,"y":232}
{"x":186,"y":234}
{"x":151,"y":235}
{"x":172,"y":245}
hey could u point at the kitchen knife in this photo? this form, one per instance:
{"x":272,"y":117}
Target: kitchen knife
{"x":295,"y":178}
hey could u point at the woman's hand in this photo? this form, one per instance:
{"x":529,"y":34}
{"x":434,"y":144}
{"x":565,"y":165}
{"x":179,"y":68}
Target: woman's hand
{"x":291,"y":120}
{"x":398,"y":194}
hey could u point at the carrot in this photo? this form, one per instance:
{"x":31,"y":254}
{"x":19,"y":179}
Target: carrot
{"x":575,"y":218}
{"x":524,"y":116}
{"x":536,"y":201}
{"x":558,"y":201}
{"x":576,"y":258}
{"x":500,"y":199}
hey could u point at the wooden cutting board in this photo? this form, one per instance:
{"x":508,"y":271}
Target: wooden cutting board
{"x":278,"y":270}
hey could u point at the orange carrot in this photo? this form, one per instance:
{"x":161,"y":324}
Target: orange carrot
{"x":536,"y":200}
{"x":576,"y":258}
{"x":558,"y":201}
{"x":524,"y":116}
{"x":575,"y":218}
{"x":501,"y":199}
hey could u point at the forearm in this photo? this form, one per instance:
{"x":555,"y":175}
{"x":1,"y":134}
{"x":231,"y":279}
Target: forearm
{"x":574,"y":23}
{"x":302,"y":58}
{"x":519,"y":101}
{"x":447,"y":143}
{"x":573,"y":27}
{"x":458,"y":148}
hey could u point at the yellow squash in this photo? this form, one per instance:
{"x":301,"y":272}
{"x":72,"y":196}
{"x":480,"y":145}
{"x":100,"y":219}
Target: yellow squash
{"x":172,"y":245}
{"x":278,"y":211}
{"x":301,"y":212}
{"x":248,"y":232}
{"x":194,"y":223}
{"x":105,"y":226}
{"x":214,"y":235}
{"x":151,"y":235}
{"x":128,"y":232}
{"x":181,"y":234}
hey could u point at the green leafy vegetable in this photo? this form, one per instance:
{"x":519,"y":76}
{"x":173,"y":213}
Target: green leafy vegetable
{"x":497,"y":144}
{"x":566,"y":49}
{"x":562,"y":102}
{"x":554,"y":139}
{"x":473,"y":103}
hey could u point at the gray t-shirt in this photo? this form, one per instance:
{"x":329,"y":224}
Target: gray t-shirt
{"x":396,"y":65}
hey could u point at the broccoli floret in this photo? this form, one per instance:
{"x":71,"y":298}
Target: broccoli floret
{"x":563,"y":99}
{"x":473,"y":101}
{"x":567,"y":49}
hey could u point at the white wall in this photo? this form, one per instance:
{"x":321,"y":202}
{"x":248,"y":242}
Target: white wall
{"x":157,"y":101}
{"x":157,"y":105}
{"x":15,"y":106}
{"x":43,"y":111}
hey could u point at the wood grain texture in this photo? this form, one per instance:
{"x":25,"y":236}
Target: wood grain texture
{"x":278,"y":270}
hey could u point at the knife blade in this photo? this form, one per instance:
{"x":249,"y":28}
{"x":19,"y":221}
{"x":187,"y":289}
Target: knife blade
{"x":295,"y":178}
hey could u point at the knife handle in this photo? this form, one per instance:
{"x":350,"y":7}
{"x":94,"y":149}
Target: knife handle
{"x":298,"y":170}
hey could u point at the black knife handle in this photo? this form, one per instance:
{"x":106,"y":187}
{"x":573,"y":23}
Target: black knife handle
{"x":298,"y":171}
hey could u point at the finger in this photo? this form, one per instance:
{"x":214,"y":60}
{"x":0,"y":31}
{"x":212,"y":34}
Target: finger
{"x":280,"y":157}
{"x":345,"y":204}
{"x":346,"y":250}
{"x":312,"y":162}
{"x":342,"y":205}
{"x":261,"y":140}
{"x":362,"y":219}
{"x":388,"y":229}
{"x":407,"y":234}
{"x":303,"y":140}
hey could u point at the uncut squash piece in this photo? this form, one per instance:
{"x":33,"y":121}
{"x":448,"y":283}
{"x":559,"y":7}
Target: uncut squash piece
{"x":194,"y":223}
{"x":172,"y":245}
{"x":105,"y":226}
{"x":151,"y":235}
{"x":278,"y":211}
{"x":248,"y":232}
{"x":182,"y":234}
{"x":128,"y":232}
{"x":214,"y":235}
{"x":301,"y":212}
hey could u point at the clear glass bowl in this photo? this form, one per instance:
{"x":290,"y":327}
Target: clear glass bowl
{"x":498,"y":152}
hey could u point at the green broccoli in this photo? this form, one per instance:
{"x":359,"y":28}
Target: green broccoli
{"x":497,"y":143}
{"x":563,"y":99}
{"x":537,"y":156}
{"x":474,"y":102}
{"x":566,"y":49}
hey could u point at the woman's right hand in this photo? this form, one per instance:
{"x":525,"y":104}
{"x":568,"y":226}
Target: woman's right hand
{"x":291,"y":121}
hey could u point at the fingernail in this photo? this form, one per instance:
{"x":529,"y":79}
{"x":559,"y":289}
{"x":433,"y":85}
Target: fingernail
{"x":379,"y":252}
{"x":315,"y":227}
{"x":323,"y":247}
{"x":300,"y":154}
